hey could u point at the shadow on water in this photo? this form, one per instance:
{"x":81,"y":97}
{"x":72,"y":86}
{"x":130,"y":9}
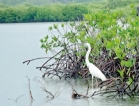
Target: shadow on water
{"x":22,"y":85}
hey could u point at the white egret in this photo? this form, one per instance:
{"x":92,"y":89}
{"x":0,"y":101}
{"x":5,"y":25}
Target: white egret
{"x":95,"y":72}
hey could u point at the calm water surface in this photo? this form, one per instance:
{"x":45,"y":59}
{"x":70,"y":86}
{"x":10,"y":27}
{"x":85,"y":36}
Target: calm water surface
{"x":19,"y":42}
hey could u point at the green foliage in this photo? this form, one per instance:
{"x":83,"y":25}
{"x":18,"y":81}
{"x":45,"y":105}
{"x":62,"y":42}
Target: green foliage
{"x":118,"y":34}
{"x":114,"y":31}
{"x":130,"y":80}
{"x":60,"y":12}
{"x":42,"y":2}
{"x":114,"y":38}
{"x":120,"y":3}
{"x":121,"y":72}
{"x":47,"y":13}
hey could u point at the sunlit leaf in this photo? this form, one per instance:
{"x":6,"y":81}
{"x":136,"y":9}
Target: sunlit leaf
{"x":117,"y":40}
{"x":130,"y":80}
{"x":55,"y":26}
{"x":121,"y":72}
{"x":41,"y":40}
{"x":62,"y":25}
{"x":110,"y":45}
{"x":50,"y":28}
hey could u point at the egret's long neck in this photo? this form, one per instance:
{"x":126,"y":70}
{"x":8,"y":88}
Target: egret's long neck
{"x":87,"y":56}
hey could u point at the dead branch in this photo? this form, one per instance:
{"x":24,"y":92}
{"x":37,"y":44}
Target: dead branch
{"x":15,"y":100}
{"x":30,"y":93}
{"x":28,"y":61}
{"x":48,"y":92}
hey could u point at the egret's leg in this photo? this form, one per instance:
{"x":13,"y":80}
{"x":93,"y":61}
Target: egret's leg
{"x":92,"y":81}
{"x":96,"y":85}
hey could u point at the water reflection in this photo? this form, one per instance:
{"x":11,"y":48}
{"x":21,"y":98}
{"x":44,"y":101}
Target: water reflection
{"x":64,"y":91}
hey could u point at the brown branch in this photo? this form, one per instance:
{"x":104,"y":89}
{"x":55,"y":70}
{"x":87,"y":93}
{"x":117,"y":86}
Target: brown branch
{"x":44,"y":89}
{"x":53,"y":57}
{"x":16,"y":98}
{"x":30,"y":93}
{"x":28,"y":61}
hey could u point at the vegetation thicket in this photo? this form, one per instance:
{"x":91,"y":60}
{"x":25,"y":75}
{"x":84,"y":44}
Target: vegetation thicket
{"x":114,"y":38}
{"x":29,"y":13}
{"x":42,"y":2}
{"x":59,"y":12}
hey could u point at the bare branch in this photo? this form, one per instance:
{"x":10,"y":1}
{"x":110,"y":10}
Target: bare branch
{"x":28,"y":61}
{"x":30,"y":93}
{"x":16,"y":98}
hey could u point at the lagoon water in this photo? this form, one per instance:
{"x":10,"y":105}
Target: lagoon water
{"x":20,"y":42}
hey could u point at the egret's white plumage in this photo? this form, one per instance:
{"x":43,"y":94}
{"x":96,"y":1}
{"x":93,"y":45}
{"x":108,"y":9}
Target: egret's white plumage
{"x":95,"y":72}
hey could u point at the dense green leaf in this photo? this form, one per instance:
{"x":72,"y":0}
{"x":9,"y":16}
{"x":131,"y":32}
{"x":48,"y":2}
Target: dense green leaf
{"x":121,"y":72}
{"x":130,"y":80}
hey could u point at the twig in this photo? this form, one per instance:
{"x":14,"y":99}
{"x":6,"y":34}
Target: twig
{"x":44,"y":89}
{"x":28,"y":61}
{"x":30,"y":93}
{"x":53,"y":57}
{"x":52,"y":96}
{"x":72,"y":87}
{"x":16,"y":98}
